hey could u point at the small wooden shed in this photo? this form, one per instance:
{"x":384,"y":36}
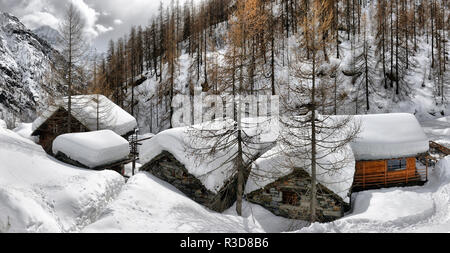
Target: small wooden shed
{"x":386,"y":151}
{"x":89,"y":113}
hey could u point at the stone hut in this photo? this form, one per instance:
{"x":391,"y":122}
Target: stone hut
{"x":283,"y":185}
{"x":166,"y":167}
{"x":209,"y":180}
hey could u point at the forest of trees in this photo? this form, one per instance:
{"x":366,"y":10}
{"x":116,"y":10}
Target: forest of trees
{"x":258,"y":45}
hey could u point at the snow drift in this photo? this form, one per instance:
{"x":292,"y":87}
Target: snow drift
{"x":40,"y":194}
{"x":149,"y":205}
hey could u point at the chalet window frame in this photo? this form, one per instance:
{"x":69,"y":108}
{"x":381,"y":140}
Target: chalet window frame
{"x":401,"y":165}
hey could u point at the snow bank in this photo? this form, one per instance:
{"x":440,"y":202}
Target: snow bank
{"x":405,"y":210}
{"x":393,"y":205}
{"x":443,"y":169}
{"x":25,"y":130}
{"x":3,"y":124}
{"x":149,"y":205}
{"x":88,"y":109}
{"x":386,"y":136}
{"x":212,"y":170}
{"x":93,"y":149}
{"x":41,"y":194}
{"x":266,"y":219}
{"x":383,"y":211}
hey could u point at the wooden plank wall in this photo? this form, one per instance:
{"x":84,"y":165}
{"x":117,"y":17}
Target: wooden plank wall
{"x":373,"y":174}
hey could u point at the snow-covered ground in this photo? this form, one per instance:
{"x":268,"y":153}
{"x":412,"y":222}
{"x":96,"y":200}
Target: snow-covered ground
{"x":438,"y":130}
{"x":149,"y":205}
{"x":41,"y":194}
{"x":398,"y":210}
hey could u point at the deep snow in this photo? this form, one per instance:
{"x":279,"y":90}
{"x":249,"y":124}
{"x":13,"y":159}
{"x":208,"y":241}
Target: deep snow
{"x":41,"y":194}
{"x":150,"y":205}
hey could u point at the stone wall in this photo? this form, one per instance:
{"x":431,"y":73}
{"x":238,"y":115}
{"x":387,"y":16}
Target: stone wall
{"x":166,"y":167}
{"x":289,"y":197}
{"x":117,"y":167}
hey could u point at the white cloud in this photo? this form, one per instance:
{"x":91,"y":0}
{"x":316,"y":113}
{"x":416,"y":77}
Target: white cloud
{"x":90,"y":17}
{"x":118,"y":21}
{"x":105,"y":19}
{"x":103,"y":29}
{"x":38,"y":19}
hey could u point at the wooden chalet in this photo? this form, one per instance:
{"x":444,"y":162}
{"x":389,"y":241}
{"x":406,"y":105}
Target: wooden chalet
{"x":89,"y":113}
{"x":387,"y":151}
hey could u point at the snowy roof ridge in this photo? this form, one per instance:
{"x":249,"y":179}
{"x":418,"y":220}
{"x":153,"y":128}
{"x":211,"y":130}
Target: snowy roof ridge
{"x":389,"y":136}
{"x":88,"y":109}
{"x":212,"y":170}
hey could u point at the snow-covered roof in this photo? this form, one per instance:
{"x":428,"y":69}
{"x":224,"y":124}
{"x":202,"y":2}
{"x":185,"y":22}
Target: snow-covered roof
{"x":88,"y":108}
{"x":335,"y":169}
{"x":212,"y":170}
{"x":93,"y":149}
{"x":387,"y":136}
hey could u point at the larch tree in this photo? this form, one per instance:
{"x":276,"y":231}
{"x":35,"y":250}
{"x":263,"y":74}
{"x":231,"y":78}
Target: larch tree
{"x":74,"y":51}
{"x":364,"y":68}
{"x":308,"y":136}
{"x":238,"y":138}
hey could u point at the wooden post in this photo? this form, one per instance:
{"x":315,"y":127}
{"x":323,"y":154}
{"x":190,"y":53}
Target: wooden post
{"x":364,"y":175}
{"x":134,"y":150}
{"x":407,"y":171}
{"x":385,"y":173}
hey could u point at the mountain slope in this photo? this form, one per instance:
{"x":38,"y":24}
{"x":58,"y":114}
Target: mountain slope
{"x":52,"y":36}
{"x":24,"y":59}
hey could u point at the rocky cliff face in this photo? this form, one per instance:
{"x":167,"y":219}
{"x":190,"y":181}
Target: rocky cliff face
{"x":24,"y":61}
{"x":50,"y":35}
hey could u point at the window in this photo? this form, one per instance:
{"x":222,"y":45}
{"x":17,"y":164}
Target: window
{"x":396,"y":165}
{"x":290,"y":198}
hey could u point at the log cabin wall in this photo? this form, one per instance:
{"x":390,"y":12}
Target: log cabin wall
{"x":55,"y":126}
{"x":387,"y":173}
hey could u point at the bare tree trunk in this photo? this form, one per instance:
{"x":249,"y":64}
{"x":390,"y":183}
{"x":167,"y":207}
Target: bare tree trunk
{"x":313,"y":143}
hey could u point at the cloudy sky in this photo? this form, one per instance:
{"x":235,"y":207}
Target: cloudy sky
{"x":105,"y":19}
